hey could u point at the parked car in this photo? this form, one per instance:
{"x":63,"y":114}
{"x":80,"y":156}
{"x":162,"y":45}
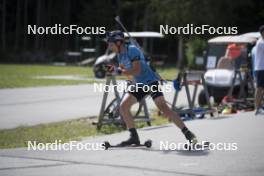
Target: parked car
{"x":220,"y":73}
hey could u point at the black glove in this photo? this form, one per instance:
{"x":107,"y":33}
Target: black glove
{"x":113,"y":69}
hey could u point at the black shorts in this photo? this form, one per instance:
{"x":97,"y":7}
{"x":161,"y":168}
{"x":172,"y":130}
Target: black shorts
{"x":140,"y":91}
{"x":260,"y":78}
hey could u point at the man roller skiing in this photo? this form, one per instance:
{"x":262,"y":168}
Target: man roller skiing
{"x":133,"y":63}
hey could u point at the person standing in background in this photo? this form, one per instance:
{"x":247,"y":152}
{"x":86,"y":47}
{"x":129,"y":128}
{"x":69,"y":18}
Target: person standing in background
{"x":259,"y":70}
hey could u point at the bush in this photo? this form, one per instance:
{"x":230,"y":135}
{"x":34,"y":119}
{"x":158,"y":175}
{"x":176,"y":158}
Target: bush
{"x":194,"y":47}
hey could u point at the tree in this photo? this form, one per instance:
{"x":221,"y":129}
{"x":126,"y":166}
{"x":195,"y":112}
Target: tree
{"x":18,"y":30}
{"x":25,"y":19}
{"x":4,"y":25}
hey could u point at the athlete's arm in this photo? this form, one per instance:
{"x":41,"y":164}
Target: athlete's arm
{"x":135,"y":70}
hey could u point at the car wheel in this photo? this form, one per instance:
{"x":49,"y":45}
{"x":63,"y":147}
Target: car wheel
{"x":218,"y":100}
{"x":202,"y":98}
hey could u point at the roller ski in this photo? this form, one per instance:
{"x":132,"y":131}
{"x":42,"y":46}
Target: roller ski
{"x":197,"y":146}
{"x":193,"y":143}
{"x":147,"y":144}
{"x":132,"y":141}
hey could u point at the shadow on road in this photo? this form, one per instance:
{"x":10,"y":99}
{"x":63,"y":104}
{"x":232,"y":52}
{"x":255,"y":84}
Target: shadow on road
{"x":176,"y":151}
{"x":221,"y":117}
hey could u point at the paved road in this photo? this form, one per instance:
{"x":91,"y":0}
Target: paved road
{"x":244,"y":129}
{"x":31,"y":106}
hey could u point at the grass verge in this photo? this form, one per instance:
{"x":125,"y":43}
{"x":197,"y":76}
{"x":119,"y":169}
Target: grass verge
{"x":14,"y":75}
{"x":64,"y":131}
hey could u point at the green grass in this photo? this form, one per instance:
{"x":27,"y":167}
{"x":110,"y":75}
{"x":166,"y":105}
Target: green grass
{"x":12,"y":75}
{"x":64,"y":131}
{"x":168,"y":72}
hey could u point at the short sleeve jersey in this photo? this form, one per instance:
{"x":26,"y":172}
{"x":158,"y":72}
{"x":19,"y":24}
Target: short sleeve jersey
{"x":132,"y":53}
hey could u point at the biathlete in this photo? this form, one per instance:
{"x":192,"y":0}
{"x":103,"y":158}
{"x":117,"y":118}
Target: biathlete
{"x":133,"y":63}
